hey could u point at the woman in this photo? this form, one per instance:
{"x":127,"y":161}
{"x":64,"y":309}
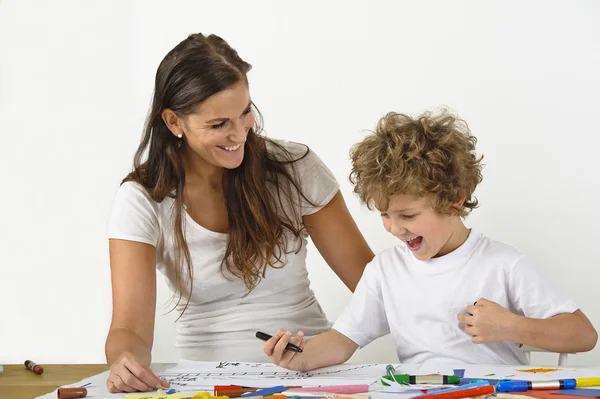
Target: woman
{"x":224,"y":214}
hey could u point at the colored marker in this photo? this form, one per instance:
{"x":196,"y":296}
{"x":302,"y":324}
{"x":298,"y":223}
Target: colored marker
{"x":71,"y":393}
{"x":473,"y":384}
{"x":236,"y":391}
{"x":390,"y":371}
{"x":346,"y":389}
{"x":587,"y":382}
{"x":459,"y":393}
{"x":232,"y":393}
{"x":265,"y":392}
{"x":468,"y":380}
{"x":314,"y":395}
{"x":424,"y":379}
{"x":524,"y":386}
{"x":289,"y":346}
{"x":276,"y":396}
{"x":34,"y":367}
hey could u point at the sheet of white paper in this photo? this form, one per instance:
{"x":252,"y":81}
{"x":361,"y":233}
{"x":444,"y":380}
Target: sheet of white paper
{"x":191,"y":377}
{"x":191,"y":374}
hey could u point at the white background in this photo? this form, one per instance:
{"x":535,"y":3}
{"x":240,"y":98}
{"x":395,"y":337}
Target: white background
{"x":76,"y":81}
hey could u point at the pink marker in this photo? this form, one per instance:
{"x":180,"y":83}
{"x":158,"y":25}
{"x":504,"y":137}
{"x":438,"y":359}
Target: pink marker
{"x":345,"y":389}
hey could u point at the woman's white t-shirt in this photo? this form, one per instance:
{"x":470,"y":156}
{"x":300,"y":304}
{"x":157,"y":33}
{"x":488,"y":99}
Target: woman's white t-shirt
{"x":222,"y":317}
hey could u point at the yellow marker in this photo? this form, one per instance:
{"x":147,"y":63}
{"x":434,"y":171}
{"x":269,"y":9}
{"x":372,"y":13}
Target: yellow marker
{"x":162,"y":395}
{"x":154,"y":396}
{"x":587,"y":382}
{"x":203,"y":395}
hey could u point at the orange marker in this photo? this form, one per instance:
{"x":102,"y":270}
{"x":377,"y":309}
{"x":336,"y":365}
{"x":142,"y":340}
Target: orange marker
{"x":34,"y":367}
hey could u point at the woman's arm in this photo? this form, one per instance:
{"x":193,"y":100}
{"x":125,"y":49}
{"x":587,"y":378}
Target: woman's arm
{"x":129,"y":341}
{"x":336,"y":236}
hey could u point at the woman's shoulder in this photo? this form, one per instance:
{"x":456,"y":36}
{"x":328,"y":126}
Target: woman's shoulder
{"x":134,"y":191}
{"x":135,"y":216}
{"x":285,"y":150}
{"x":133,"y":196}
{"x":298,"y":154}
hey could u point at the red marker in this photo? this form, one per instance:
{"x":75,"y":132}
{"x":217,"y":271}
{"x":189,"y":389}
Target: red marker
{"x":34,"y":367}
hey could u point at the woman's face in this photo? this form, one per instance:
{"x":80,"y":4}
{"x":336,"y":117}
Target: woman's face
{"x":216,"y":130}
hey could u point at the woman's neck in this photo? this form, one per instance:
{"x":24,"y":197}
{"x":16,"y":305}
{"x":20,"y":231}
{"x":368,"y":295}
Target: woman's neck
{"x":199,"y":173}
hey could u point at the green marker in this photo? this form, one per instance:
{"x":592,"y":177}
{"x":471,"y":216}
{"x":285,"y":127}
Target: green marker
{"x":434,"y":379}
{"x":390,"y":370}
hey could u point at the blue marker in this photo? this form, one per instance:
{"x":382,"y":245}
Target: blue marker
{"x":265,"y":392}
{"x":524,"y":386}
{"x":467,"y":380}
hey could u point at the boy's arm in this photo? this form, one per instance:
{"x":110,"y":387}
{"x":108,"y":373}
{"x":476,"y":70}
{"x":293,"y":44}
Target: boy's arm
{"x":324,"y":350}
{"x":542,"y":316}
{"x":563,"y":333}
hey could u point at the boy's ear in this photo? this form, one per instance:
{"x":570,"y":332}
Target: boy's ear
{"x":463,"y":197}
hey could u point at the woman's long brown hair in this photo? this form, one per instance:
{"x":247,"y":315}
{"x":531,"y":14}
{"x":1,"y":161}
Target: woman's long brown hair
{"x":256,"y":192}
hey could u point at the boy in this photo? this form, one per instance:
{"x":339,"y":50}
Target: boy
{"x":448,"y":294}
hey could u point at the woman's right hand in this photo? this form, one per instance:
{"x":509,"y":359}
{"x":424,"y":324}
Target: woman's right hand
{"x":275,"y":349}
{"x":128,"y":375}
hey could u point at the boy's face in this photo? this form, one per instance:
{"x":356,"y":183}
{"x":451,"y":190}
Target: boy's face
{"x":425,"y":232}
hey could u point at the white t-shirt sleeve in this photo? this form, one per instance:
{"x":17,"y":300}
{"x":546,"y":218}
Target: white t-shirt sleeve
{"x":534,"y":296}
{"x":134,"y":215}
{"x":364,"y":319}
{"x":317,"y":183}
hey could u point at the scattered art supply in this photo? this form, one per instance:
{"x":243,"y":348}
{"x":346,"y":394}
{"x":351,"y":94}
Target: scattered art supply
{"x":545,"y":395}
{"x":587,"y":382}
{"x":341,"y":389}
{"x":305,"y":394}
{"x":423,"y":379}
{"x":489,"y":375}
{"x":71,"y":393}
{"x":459,"y":372}
{"x":232,"y":393}
{"x":165,"y":396}
{"x":538,"y":370}
{"x":589,"y":393}
{"x":265,"y":392}
{"x":524,"y":386}
{"x":459,"y":393}
{"x":34,"y":367}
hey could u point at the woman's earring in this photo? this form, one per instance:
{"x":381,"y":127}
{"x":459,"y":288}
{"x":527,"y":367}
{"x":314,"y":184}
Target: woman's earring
{"x":179,"y":135}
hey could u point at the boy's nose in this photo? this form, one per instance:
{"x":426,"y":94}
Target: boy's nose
{"x":397,"y":229}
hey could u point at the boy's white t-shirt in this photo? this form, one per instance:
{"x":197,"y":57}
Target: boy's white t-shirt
{"x":418,"y":301}
{"x":222,"y":317}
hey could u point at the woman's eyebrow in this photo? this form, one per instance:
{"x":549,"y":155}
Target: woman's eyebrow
{"x":225,"y":119}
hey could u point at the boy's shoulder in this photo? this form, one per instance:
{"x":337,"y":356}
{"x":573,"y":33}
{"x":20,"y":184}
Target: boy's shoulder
{"x":391,"y":259}
{"x":493,"y":250}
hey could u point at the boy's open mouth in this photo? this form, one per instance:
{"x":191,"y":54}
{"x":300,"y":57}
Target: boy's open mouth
{"x":414,"y":243}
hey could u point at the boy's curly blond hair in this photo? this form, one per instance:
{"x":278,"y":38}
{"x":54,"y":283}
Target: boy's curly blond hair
{"x":434,"y":153}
